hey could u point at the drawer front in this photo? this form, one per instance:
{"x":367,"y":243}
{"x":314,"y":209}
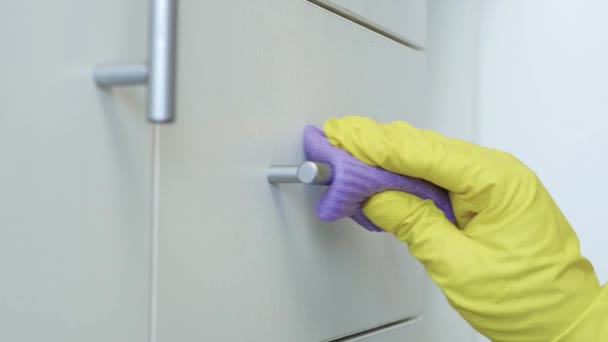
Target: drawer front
{"x":239,"y":258}
{"x":403,"y":18}
{"x":75,"y":179}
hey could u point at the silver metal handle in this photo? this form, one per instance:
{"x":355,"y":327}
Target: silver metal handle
{"x":306,"y":173}
{"x":159,"y":72}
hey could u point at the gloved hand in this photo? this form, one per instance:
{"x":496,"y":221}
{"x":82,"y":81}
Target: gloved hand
{"x":354,"y":182}
{"x":514,"y":270}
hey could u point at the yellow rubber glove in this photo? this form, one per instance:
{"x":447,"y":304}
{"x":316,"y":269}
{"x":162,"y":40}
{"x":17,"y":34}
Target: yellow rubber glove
{"x":514,"y":269}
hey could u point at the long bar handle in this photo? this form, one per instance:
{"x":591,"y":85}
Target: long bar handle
{"x":161,"y":87}
{"x":158,"y":72}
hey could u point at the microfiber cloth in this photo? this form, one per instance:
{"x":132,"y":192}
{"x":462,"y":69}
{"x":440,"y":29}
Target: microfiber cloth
{"x":354,"y":182}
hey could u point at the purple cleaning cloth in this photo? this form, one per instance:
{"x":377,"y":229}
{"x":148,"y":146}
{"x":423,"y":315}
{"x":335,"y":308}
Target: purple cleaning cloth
{"x":354,"y":182}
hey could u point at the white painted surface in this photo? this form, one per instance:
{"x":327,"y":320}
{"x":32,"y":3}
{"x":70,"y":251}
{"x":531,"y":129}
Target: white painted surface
{"x":544,"y":66}
{"x":407,"y":18}
{"x":75,"y":175}
{"x":452,"y":51}
{"x":238,"y":257}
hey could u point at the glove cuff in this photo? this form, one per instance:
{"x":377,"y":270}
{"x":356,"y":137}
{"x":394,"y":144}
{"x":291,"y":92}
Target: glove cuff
{"x":592,"y":325}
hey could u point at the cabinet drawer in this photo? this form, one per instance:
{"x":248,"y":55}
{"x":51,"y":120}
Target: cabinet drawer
{"x":403,"y":18}
{"x":240,"y":259}
{"x":75,"y":180}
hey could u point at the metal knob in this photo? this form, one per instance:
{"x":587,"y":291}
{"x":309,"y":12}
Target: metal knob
{"x":158,"y":72}
{"x":306,"y":173}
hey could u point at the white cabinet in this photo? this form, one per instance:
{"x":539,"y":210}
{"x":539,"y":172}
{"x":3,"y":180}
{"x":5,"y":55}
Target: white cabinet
{"x":87,"y":184}
{"x":75,"y":181}
{"x":240,"y":258}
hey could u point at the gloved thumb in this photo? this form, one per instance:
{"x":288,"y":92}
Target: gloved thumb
{"x":430,"y":236}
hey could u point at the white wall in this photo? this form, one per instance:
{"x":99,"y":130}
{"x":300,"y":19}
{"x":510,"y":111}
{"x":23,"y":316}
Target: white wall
{"x":544,"y":97}
{"x":452,"y":105}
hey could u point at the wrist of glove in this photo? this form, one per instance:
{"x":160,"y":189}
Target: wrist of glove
{"x":510,"y":264}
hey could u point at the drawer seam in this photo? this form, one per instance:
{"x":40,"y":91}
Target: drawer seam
{"x":366,"y":23}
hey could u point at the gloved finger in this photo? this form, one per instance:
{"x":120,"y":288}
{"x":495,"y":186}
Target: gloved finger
{"x":455,"y":165}
{"x":430,"y":236}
